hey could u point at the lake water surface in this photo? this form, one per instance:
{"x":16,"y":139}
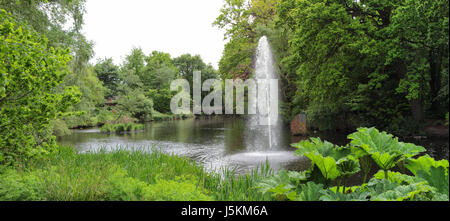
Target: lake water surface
{"x":217,"y":142}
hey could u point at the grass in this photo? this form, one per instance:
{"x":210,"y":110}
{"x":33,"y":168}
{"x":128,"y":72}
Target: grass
{"x":121,"y":127}
{"x":157,"y":116}
{"x":126,"y":175}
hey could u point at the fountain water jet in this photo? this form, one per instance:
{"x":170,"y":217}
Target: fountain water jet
{"x":265,"y":136}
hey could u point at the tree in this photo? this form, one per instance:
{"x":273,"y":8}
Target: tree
{"x":58,"y":20}
{"x":187,"y":64}
{"x":30,"y":70}
{"x":135,"y":104}
{"x":367,"y":59}
{"x":135,"y":62}
{"x":108,"y":73}
{"x":241,"y":20}
{"x":421,"y":29}
{"x":160,"y":70}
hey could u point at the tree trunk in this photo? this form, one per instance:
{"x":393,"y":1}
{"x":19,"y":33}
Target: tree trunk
{"x":435,"y":60}
{"x":417,"y":110}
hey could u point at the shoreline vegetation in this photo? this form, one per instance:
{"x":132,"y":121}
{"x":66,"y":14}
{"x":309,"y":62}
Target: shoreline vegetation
{"x":122,"y":128}
{"x":148,"y":174}
{"x":125,"y":175}
{"x":344,"y":64}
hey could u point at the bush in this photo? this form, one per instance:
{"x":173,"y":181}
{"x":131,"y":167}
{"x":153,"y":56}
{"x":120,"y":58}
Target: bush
{"x":60,"y":128}
{"x":134,"y":103}
{"x":16,"y":186}
{"x":124,"y":188}
{"x":161,"y":99}
{"x":170,"y":190}
{"x":104,"y":116}
{"x":30,"y":70}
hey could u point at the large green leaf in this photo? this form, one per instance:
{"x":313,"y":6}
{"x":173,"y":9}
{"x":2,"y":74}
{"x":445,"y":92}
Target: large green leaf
{"x":396,"y":177}
{"x":315,"y":145}
{"x":384,"y":190}
{"x":323,"y":148}
{"x":310,"y":192}
{"x":384,"y":149}
{"x":327,"y":157}
{"x":279,"y":186}
{"x":436,"y":177}
{"x":348,"y":166}
{"x":356,"y":195}
{"x":404,"y":193}
{"x":326,"y":165}
{"x":424,"y":163}
{"x":298,"y":177}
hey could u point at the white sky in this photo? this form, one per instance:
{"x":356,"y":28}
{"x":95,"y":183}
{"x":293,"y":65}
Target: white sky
{"x":173,"y":26}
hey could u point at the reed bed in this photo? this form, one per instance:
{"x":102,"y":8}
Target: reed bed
{"x":128,"y":174}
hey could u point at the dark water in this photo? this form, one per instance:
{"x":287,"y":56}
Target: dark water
{"x":216,"y":143}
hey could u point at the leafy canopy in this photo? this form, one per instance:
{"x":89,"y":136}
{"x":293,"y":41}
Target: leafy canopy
{"x":30,"y":70}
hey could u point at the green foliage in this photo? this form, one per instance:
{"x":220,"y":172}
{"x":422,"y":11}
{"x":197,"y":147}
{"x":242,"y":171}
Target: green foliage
{"x":120,"y":128}
{"x":124,"y":188}
{"x":30,"y":70}
{"x":280,"y":186}
{"x":240,"y":20}
{"x":93,"y":96}
{"x":327,"y":165}
{"x":161,"y":99}
{"x":436,"y":177}
{"x":16,"y":187}
{"x":187,"y":64}
{"x":310,"y":192}
{"x":165,"y":190}
{"x":385,"y":150}
{"x":66,"y":175}
{"x":434,"y":172}
{"x":135,"y":104}
{"x":108,"y":73}
{"x":59,"y":20}
{"x":383,"y":190}
{"x":346,"y":63}
{"x":424,"y":163}
{"x":60,"y":128}
{"x":395,"y":177}
{"x":331,"y":162}
{"x":355,"y":195}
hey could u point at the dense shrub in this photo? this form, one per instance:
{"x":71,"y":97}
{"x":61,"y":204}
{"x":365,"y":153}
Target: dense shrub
{"x":60,"y":128}
{"x":15,"y":186}
{"x":29,"y":72}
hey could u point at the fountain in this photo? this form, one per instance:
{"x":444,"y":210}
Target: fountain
{"x":264,"y":128}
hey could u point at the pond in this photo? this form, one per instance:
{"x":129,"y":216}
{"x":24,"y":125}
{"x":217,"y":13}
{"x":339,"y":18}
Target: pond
{"x":218,"y":142}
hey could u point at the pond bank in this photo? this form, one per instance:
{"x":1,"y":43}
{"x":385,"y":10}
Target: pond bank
{"x":123,"y":176}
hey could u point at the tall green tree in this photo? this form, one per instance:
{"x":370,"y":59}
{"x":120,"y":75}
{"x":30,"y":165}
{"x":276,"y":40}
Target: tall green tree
{"x":30,"y":70}
{"x":132,"y":101}
{"x":187,"y":64}
{"x":108,"y":73}
{"x":368,"y":58}
{"x":58,"y":20}
{"x":160,"y":70}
